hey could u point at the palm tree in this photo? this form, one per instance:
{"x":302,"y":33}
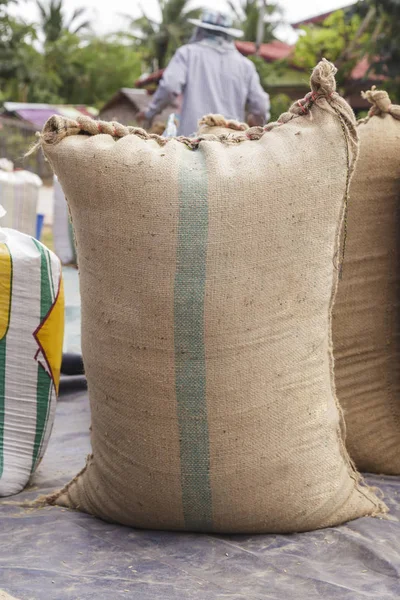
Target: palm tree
{"x":248,"y":19}
{"x":54,"y":23}
{"x":161,"y":39}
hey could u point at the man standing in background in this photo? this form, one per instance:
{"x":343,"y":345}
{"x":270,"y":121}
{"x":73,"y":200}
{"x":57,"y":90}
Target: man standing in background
{"x":213,"y":77}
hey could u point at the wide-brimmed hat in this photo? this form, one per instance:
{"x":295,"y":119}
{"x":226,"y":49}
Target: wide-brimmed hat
{"x":216,"y":21}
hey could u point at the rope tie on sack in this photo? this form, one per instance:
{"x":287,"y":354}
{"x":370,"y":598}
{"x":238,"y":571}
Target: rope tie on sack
{"x":381,"y":103}
{"x":323,"y":87}
{"x":323,"y":94}
{"x":220,"y":121}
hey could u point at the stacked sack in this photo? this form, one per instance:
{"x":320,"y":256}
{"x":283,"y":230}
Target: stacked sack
{"x":64,"y":243}
{"x":218,"y":125}
{"x":208,"y":269}
{"x":366,"y":326}
{"x":19,"y":196}
{"x":31,"y":335}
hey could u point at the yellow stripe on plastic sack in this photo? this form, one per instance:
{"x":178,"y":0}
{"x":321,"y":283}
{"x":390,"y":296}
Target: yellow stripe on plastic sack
{"x":5,"y":288}
{"x":50,"y":336}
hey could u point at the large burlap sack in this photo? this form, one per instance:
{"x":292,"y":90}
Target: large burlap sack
{"x":31,"y":336}
{"x":367,"y":311}
{"x":207,"y":277}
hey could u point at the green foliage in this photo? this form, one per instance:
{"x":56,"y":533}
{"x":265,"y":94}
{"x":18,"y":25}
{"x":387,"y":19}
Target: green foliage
{"x":69,"y":68}
{"x":369,"y":28}
{"x":100,"y":68}
{"x":387,"y":44}
{"x":17,"y":56}
{"x":279,"y":74}
{"x":329,"y":40}
{"x":53,"y":21}
{"x":274,"y":78}
{"x":17,"y":143}
{"x":74,"y":66}
{"x":160,"y":40}
{"x":280,"y":103}
{"x":247,"y":19}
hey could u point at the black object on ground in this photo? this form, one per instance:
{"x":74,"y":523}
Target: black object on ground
{"x":72,"y":374}
{"x":72,"y":364}
{"x":72,"y":383}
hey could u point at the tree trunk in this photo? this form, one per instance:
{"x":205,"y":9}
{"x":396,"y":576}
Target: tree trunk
{"x":261,"y":25}
{"x":348,"y":54}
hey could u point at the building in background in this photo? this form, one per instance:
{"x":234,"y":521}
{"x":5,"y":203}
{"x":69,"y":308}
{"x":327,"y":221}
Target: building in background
{"x":127,"y":103}
{"x":19,"y":123}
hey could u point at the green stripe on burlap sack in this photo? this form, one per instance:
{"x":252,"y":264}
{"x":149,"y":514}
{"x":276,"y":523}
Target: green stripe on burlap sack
{"x":208,"y":271}
{"x":190,"y":281}
{"x":44,"y":382}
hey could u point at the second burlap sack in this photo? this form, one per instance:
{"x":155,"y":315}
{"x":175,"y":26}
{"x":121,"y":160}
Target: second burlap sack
{"x":208,"y":269}
{"x":218,"y":125}
{"x":366,"y":321}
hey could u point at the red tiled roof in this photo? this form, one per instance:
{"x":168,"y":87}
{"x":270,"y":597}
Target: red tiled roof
{"x":360,"y":71}
{"x":275,"y":50}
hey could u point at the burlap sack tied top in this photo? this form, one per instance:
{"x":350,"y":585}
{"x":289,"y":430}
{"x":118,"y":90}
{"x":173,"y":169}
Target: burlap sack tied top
{"x":218,"y":125}
{"x":367,"y":311}
{"x":208,"y":268}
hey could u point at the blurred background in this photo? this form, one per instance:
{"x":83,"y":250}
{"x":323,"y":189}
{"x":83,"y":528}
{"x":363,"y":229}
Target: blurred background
{"x":105,"y":59}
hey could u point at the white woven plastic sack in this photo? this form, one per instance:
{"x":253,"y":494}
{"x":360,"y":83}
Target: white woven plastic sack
{"x":31,"y":337}
{"x":171,"y":130}
{"x":62,"y":229}
{"x":6,"y":165}
{"x":19,"y":195}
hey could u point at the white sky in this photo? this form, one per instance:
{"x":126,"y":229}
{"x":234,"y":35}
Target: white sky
{"x":106,"y":14}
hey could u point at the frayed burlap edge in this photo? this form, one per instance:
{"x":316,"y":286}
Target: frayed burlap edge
{"x":323,"y":93}
{"x":381,"y":105}
{"x":51,"y":499}
{"x":220,"y":121}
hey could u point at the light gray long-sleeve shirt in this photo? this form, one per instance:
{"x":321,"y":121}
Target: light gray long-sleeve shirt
{"x":213,"y":78}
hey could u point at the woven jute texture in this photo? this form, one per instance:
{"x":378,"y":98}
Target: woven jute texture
{"x":218,"y":125}
{"x":208,"y":269}
{"x":31,"y":342}
{"x":367,"y":312}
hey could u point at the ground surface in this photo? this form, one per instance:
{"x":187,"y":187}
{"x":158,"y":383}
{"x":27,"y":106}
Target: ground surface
{"x":55,"y":554}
